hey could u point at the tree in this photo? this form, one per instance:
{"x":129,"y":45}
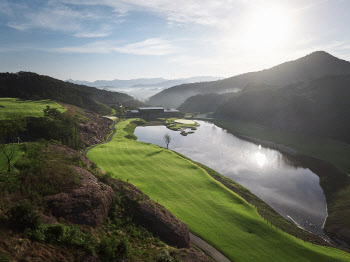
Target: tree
{"x":167,"y":140}
{"x":9,"y":131}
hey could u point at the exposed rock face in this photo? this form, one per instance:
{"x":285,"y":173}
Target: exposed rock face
{"x":87,"y":205}
{"x":96,"y":130}
{"x":152,"y":215}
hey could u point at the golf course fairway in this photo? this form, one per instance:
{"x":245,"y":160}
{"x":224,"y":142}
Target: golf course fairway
{"x":210,"y":210}
{"x":13,"y":107}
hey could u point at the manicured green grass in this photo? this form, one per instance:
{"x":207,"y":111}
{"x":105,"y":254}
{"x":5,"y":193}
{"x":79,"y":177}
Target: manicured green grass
{"x":13,"y":107}
{"x":210,"y":210}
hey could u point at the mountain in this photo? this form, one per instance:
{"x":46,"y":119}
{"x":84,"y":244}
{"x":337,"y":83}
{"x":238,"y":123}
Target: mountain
{"x":27,"y":85}
{"x":118,"y":82}
{"x":142,"y":88}
{"x":313,"y":66}
{"x":319,"y":107}
{"x":170,"y":83}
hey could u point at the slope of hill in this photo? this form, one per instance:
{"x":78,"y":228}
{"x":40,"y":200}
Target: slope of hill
{"x":27,"y":85}
{"x":319,"y":107}
{"x":315,"y":65}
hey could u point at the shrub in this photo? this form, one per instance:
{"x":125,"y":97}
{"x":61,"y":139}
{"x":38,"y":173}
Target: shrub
{"x":111,"y":249}
{"x":54,"y":234}
{"x":23,"y":216}
{"x":4,"y":258}
{"x":164,"y":257}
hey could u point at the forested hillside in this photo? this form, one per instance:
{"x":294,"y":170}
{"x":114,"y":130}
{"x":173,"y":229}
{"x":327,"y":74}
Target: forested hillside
{"x":27,"y":85}
{"x":313,"y":66}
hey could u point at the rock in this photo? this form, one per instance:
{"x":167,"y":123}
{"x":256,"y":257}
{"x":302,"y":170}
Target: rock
{"x":87,"y":205}
{"x":152,"y":215}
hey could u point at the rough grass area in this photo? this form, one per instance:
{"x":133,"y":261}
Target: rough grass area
{"x":210,"y":210}
{"x":18,"y":153}
{"x":13,"y":107}
{"x":176,"y":126}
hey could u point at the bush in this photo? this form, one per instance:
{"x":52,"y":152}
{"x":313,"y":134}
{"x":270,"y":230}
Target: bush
{"x":4,"y":258}
{"x":23,"y":216}
{"x":164,"y":257}
{"x":111,"y":249}
{"x":54,"y":234}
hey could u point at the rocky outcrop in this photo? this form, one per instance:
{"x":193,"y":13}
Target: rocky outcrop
{"x":87,"y":205}
{"x":152,"y":215}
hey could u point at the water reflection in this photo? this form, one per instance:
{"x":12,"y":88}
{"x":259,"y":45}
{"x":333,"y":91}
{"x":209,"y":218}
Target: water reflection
{"x":292,"y":191}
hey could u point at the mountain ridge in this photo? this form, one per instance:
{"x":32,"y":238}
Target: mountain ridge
{"x":312,"y":66}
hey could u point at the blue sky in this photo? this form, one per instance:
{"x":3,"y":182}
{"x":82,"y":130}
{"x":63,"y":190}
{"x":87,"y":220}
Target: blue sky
{"x":109,"y":39}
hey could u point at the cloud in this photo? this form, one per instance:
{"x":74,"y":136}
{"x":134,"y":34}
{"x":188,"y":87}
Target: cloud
{"x":54,"y":16}
{"x":151,"y":46}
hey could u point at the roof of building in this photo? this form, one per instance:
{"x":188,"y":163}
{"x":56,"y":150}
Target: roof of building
{"x":151,"y":108}
{"x":134,"y":111}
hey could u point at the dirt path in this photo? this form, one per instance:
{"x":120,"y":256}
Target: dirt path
{"x":204,"y":246}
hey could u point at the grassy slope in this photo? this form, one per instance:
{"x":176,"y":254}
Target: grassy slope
{"x":12,"y":107}
{"x":211,"y":211}
{"x":336,"y":188}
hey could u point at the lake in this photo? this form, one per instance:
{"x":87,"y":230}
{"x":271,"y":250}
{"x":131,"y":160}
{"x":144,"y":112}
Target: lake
{"x":293,"y":191}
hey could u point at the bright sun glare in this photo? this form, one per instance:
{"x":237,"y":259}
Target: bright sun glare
{"x":265,"y":28}
{"x":260,"y":159}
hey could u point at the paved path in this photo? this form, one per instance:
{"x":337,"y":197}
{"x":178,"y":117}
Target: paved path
{"x":198,"y":242}
{"x":109,"y":139}
{"x":208,"y":249}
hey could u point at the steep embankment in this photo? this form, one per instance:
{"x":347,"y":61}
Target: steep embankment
{"x":210,"y":210}
{"x":313,"y":66}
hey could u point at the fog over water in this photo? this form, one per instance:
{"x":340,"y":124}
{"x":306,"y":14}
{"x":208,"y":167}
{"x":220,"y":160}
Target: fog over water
{"x":292,"y":191}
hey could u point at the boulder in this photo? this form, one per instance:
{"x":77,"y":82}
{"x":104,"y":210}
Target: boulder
{"x":87,"y":205}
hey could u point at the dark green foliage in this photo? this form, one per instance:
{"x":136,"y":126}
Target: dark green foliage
{"x":23,"y":216}
{"x":70,"y":236}
{"x":4,"y":258}
{"x":114,"y":248}
{"x":55,"y":125}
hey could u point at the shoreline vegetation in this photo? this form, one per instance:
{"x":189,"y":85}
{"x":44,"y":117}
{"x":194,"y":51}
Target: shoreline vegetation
{"x":326,"y":158}
{"x":222,"y":218}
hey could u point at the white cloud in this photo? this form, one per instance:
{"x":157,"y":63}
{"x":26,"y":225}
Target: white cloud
{"x":151,"y":46}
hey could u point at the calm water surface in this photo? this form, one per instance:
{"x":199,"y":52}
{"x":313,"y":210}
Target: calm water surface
{"x":292,"y":191}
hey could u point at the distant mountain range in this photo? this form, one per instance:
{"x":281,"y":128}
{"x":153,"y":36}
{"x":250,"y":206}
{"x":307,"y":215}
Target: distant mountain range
{"x":142,"y":88}
{"x":145,"y":82}
{"x":313,"y":66}
{"x":316,"y":102}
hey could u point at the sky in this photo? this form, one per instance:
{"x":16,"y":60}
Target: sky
{"x":111,"y":39}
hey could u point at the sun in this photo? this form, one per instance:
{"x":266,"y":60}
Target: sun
{"x":266,"y":28}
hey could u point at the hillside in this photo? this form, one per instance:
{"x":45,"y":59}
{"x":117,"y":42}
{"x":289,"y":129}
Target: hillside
{"x":313,"y":66}
{"x":320,"y":107}
{"x":27,"y":85}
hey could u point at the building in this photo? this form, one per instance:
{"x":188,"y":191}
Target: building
{"x":153,"y":112}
